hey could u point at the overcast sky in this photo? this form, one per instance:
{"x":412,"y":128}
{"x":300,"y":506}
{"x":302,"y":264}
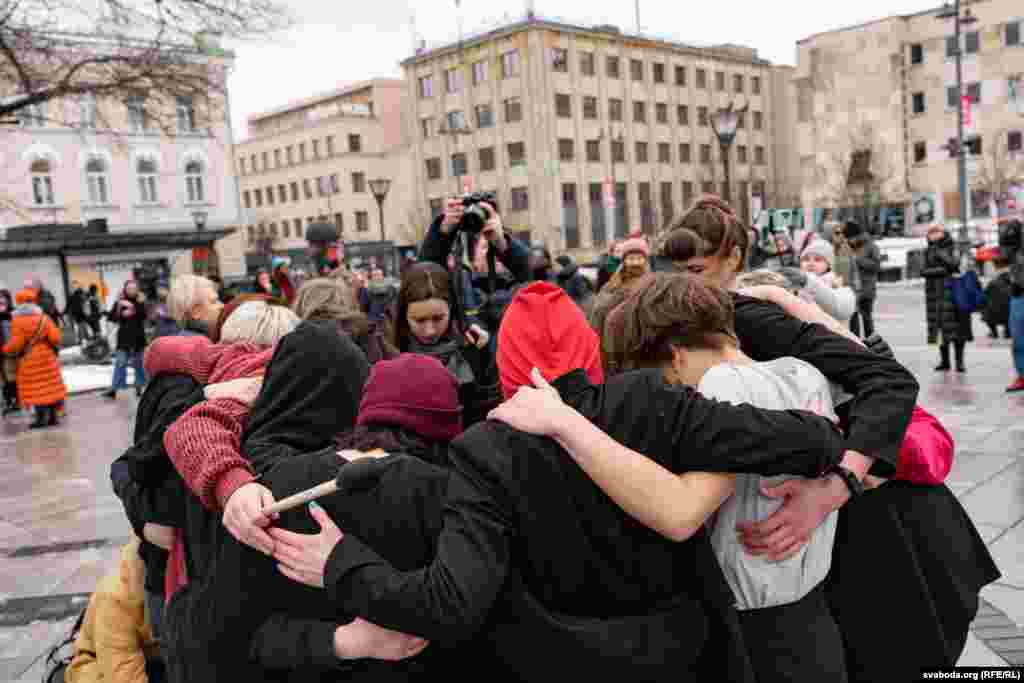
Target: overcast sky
{"x":336,"y":43}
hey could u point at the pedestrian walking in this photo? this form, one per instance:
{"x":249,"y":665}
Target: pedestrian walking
{"x":1011,"y":246}
{"x":7,"y":370}
{"x":129,"y":313}
{"x":867,"y":259}
{"x":34,"y":341}
{"x":947,"y":324}
{"x":998,"y":295}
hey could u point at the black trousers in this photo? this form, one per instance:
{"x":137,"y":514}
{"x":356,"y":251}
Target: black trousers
{"x":865,"y":313}
{"x":795,"y":643}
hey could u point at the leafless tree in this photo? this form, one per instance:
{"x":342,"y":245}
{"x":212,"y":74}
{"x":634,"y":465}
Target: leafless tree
{"x":859,"y":173}
{"x":999,"y":169}
{"x":161,"y":50}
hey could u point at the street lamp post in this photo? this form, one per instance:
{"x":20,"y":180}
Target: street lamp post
{"x":379,"y":188}
{"x":725,"y":123}
{"x":953,"y":12}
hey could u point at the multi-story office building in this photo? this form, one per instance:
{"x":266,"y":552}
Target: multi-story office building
{"x":98,"y":189}
{"x":881,"y":98}
{"x":559,"y":119}
{"x":313,"y":160}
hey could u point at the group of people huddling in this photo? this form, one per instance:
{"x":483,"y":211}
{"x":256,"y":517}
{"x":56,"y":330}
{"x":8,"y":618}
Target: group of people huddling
{"x":701,"y":482}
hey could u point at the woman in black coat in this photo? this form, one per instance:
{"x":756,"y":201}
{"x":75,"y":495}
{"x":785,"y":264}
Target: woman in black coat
{"x":429,"y":321}
{"x":10,"y":392}
{"x":947,"y":324}
{"x":129,"y":312}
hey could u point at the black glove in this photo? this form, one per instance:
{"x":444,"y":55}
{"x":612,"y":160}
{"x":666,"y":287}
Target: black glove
{"x":877,"y":345}
{"x":797,"y":278}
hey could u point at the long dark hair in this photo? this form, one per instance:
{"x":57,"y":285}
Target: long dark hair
{"x":421,"y":282}
{"x":394,"y":440}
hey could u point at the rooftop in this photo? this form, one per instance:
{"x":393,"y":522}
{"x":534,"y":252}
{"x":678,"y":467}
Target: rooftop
{"x":320,"y":98}
{"x":866,"y":24}
{"x":532,"y":20}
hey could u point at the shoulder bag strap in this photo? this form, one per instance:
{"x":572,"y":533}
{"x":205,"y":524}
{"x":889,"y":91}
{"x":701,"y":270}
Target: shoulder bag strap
{"x":31,"y":342}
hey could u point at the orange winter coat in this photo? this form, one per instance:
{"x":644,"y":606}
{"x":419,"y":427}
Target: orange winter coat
{"x":39,"y":379}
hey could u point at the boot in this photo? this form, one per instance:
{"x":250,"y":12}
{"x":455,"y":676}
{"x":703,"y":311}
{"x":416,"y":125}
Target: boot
{"x":958,"y":349}
{"x":42,"y":418}
{"x":944,"y":357}
{"x":52,"y":422}
{"x":110,"y":394}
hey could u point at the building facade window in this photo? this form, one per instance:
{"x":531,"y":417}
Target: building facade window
{"x":702,"y":79}
{"x":737,"y":83}
{"x":138,"y":119}
{"x":759,"y":155}
{"x":427,"y":126}
{"x":145,"y":169}
{"x":355,"y":143}
{"x":484,"y":116}
{"x":480,"y":72}
{"x":687,"y":188}
{"x":486,"y":159}
{"x":510,"y":64}
{"x":972,"y":42}
{"x":755,"y":85}
{"x":456,"y":120}
{"x":707,"y":187}
{"x":920,"y":152}
{"x":683,"y":115}
{"x":661,"y":112}
{"x":916,"y":54}
{"x":566,"y":149}
{"x":289,"y":155}
{"x":618,"y":151}
{"x":453,"y":80}
{"x":702,"y":117}
{"x":302,"y":152}
{"x":614,"y":110}
{"x":587,"y":64}
{"x":563,"y":106}
{"x":612,"y":67}
{"x":295,"y":191}
{"x":433,"y":168}
{"x":42,"y":182}
{"x":1012,"y":33}
{"x":664,"y":153}
{"x":758,"y":120}
{"x":681,"y":76}
{"x":589,"y":107}
{"x":460,"y":165}
{"x":917,"y":103}
{"x":88,"y":112}
{"x":270,"y":195}
{"x":516,"y":154}
{"x":257,"y":196}
{"x":705,"y":154}
{"x":519,"y":199}
{"x":362,"y":221}
{"x":277,"y":158}
{"x":195,"y":182}
{"x":570,"y":216}
{"x":640,"y":112}
{"x":658,"y":72}
{"x":247,"y":199}
{"x":720,"y":81}
{"x":667,"y":209}
{"x":593,"y":151}
{"x":307,"y":188}
{"x":1014,"y":141}
{"x":186,"y":110}
{"x":282,"y":194}
{"x":559,"y":59}
{"x":426,"y":88}
{"x":97,"y":178}
{"x":741,"y":154}
{"x":641,"y":152}
{"x":316,"y":149}
{"x":329,"y":142}
{"x":513,"y":110}
{"x":636,"y":69}
{"x":359,"y":182}
{"x":685,"y":155}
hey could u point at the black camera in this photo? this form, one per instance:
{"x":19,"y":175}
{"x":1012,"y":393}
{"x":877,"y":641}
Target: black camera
{"x":475,"y":216}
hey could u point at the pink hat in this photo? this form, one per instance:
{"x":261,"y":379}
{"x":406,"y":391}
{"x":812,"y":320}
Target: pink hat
{"x":635,"y":243}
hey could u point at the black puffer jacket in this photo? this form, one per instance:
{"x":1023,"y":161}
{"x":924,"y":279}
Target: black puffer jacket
{"x":946,"y":322}
{"x":130,"y":316}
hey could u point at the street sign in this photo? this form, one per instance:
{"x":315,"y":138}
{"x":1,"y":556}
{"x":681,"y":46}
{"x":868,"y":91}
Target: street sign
{"x":609,"y":195}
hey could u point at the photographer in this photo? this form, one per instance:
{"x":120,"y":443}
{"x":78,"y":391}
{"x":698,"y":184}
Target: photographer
{"x":480,"y":301}
{"x":129,"y":313}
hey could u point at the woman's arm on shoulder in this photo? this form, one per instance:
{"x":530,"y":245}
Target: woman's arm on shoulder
{"x":195,"y":356}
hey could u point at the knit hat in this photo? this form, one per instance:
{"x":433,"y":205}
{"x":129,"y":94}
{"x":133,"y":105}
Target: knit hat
{"x":230,"y":308}
{"x":823,"y":249}
{"x":414,"y":392}
{"x":26,"y":296}
{"x":543,"y":328}
{"x":635,"y":243}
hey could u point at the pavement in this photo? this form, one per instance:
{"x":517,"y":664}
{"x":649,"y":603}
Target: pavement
{"x":61,"y":526}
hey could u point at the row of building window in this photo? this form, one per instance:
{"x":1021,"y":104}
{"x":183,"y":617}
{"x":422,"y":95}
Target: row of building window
{"x":558,"y":59}
{"x":971,"y":42}
{"x":140,"y":120}
{"x":291,"y":155}
{"x":513,"y":110}
{"x":293,"y":228}
{"x":516,"y":151}
{"x":325,"y":187}
{"x":973,"y":144}
{"x":99,"y":189}
{"x":973,"y":91}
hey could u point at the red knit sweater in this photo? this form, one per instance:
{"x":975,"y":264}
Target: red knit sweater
{"x":205,"y":443}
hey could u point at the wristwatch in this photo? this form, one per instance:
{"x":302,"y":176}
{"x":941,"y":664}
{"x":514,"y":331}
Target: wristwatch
{"x":854,"y":484}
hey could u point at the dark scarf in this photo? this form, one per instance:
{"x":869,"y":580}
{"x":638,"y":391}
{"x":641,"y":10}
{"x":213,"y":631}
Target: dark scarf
{"x":449,"y":352}
{"x":311,"y":392}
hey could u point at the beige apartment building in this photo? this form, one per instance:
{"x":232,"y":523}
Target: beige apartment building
{"x":880,"y":98}
{"x":551,"y":115}
{"x":313,"y":160}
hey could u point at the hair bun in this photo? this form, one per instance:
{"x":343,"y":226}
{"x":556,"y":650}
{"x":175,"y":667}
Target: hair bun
{"x":713,"y":201}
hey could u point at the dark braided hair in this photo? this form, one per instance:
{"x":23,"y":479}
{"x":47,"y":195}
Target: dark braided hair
{"x":710,"y":228}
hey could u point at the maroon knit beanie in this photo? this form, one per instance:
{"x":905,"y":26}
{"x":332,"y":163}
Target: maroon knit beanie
{"x":413,"y":392}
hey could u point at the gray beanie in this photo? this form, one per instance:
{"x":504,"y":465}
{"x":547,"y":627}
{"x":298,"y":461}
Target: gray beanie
{"x":823,"y":249}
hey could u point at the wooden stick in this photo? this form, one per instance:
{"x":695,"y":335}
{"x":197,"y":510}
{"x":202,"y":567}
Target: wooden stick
{"x":302,"y":497}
